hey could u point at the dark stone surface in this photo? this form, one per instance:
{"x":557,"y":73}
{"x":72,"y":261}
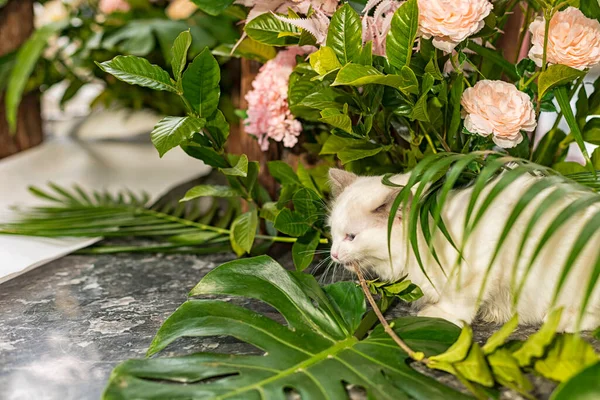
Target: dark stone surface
{"x":65,"y":325}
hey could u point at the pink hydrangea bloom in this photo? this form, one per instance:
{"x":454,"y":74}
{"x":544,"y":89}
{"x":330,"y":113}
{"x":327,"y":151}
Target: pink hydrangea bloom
{"x":111,"y":6}
{"x":269,"y":116}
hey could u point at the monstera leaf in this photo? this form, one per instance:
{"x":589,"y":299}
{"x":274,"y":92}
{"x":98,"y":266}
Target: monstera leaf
{"x":314,"y":354}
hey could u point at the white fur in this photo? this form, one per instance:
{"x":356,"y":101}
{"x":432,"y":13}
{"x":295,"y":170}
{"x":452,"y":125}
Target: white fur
{"x":454,"y":298}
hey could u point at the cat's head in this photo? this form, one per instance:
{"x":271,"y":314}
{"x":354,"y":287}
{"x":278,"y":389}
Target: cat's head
{"x":359,"y":222}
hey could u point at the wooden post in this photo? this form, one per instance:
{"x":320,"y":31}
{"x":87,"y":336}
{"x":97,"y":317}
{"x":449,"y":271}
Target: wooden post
{"x":16,"y":25}
{"x":509,"y":42}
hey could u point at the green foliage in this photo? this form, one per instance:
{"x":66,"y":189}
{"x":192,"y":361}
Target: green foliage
{"x":78,"y":213}
{"x":180,"y":50}
{"x":139,"y":71}
{"x":556,"y":75}
{"x":402,"y":289}
{"x":200,"y":83}
{"x":25,"y":62}
{"x":402,"y":34}
{"x":213,"y":7}
{"x":584,"y":385}
{"x":170,"y":132}
{"x":243,"y":231}
{"x":344,"y":36}
{"x":267,"y":29}
{"x":324,"y":60}
{"x":315,"y":353}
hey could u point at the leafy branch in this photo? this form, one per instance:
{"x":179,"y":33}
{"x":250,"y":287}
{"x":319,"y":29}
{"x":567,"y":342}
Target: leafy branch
{"x":181,"y":227}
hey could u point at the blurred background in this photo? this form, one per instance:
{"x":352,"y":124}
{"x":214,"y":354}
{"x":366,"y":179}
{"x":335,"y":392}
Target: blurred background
{"x":50,"y":85}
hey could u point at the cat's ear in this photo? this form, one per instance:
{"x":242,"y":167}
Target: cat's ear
{"x":339,"y":180}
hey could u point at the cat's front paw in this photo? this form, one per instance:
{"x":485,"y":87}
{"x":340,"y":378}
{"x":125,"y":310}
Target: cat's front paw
{"x":435,"y":311}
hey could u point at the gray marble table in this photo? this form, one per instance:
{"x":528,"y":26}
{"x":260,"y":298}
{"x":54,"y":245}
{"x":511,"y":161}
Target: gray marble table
{"x":65,"y":325}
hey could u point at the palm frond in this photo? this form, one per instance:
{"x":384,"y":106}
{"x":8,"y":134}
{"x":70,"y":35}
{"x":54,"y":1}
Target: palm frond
{"x":179,"y":227}
{"x":587,"y":179}
{"x":489,"y":175}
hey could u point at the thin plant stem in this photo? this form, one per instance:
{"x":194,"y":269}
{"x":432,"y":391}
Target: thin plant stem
{"x":417,"y":356}
{"x":222,"y":231}
{"x":548,"y":17}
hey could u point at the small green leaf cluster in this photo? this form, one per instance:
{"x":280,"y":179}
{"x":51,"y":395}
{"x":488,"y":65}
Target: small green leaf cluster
{"x":556,"y":357}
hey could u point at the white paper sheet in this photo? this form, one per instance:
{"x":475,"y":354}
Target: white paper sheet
{"x":92,"y":165}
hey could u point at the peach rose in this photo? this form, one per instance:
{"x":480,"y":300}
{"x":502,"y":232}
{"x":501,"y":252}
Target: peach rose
{"x":449,"y":22}
{"x":498,"y":108}
{"x":573,"y":40}
{"x":180,"y":9}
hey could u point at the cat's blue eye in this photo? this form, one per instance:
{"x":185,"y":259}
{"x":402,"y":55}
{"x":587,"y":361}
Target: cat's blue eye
{"x":350,"y":237}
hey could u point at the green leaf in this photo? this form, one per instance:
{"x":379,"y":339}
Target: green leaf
{"x":170,"y":132}
{"x":583,"y":386}
{"x":459,"y":349}
{"x":205,"y":153}
{"x":344,"y":36}
{"x":250,"y":48}
{"x":243,"y":231}
{"x":497,"y":58}
{"x":200,"y":84}
{"x":269,"y":211}
{"x":291,"y":223}
{"x":77,"y":213}
{"x":210,"y":191}
{"x":195,"y":238}
{"x":139,"y":71}
{"x":303,"y":250}
{"x":334,"y":144}
{"x":25,"y":62}
{"x":349,"y":302}
{"x":283,"y":173}
{"x":507,"y":372}
{"x":360,"y":75}
{"x":420,"y":110}
{"x":475,"y":368}
{"x":556,"y":75}
{"x":240,"y":168}
{"x":536,"y":344}
{"x":568,"y":355}
{"x":402,"y":34}
{"x":324,"y":60}
{"x":266,"y":29}
{"x":501,"y":335}
{"x":314,"y":353}
{"x":590,"y":8}
{"x":180,"y":53}
{"x":568,"y":167}
{"x":218,"y":128}
{"x":336,"y":119}
{"x":306,"y":203}
{"x":563,"y":100}
{"x":353,"y":153}
{"x":591,"y":131}
{"x":213,"y":7}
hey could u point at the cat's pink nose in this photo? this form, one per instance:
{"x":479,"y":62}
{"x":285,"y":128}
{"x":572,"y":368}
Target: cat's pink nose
{"x":334,"y":256}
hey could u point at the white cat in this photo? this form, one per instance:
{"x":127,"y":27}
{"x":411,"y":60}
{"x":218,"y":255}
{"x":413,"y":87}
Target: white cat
{"x":358,"y":224}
